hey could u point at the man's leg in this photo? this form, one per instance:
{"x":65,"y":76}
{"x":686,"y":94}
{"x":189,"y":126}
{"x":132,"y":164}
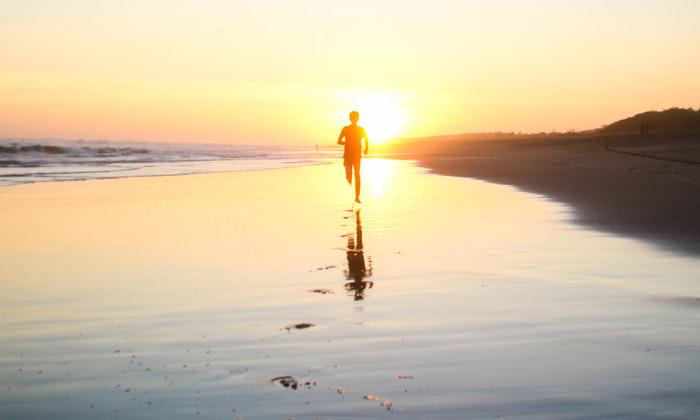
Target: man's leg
{"x":358,"y":181}
{"x":348,"y":171}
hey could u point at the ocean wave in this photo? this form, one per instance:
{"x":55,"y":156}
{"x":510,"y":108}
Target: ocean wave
{"x":20,"y":148}
{"x":23,"y":161}
{"x":33,"y":154}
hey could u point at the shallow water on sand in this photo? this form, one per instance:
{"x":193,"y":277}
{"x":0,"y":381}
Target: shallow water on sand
{"x":447,"y":297}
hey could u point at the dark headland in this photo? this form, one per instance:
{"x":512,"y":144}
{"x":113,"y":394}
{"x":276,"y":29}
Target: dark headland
{"x":638,"y":177}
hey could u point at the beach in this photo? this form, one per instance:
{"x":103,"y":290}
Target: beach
{"x":268,"y":294}
{"x":646,"y":187}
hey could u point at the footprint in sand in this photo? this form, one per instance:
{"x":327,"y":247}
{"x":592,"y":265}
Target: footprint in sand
{"x":288,"y":381}
{"x":383,"y":402}
{"x":299,"y":326}
{"x":321,"y":291}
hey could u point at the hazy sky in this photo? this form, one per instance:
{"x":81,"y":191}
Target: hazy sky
{"x":287,"y":72}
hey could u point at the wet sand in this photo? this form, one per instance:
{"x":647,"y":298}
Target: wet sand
{"x":267,"y":294}
{"x":646,"y":187}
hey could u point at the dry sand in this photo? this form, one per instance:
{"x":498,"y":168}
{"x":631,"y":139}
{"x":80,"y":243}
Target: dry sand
{"x":645,"y":187}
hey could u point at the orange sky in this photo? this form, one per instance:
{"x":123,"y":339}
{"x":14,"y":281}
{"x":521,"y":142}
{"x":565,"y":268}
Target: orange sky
{"x":279,"y":72}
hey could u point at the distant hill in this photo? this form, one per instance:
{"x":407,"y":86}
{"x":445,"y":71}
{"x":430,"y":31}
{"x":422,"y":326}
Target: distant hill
{"x":673,"y":119}
{"x":670,"y":119}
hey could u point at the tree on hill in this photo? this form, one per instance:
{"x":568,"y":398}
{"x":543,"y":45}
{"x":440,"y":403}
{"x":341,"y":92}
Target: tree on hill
{"x":670,"y":119}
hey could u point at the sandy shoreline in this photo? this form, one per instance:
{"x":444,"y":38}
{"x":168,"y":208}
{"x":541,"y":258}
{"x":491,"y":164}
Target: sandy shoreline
{"x":444,"y":297}
{"x":646,"y":187}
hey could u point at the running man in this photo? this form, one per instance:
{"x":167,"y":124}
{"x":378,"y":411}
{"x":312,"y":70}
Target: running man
{"x":353,"y":135}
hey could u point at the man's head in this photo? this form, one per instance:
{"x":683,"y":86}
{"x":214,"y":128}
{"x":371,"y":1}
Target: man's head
{"x":354,"y":117}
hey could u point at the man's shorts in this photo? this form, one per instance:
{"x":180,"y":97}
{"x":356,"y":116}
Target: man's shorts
{"x":352,"y":160}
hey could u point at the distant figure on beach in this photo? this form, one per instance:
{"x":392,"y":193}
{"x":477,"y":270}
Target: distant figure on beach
{"x":644,"y":128}
{"x":357,"y":270}
{"x":351,"y":136}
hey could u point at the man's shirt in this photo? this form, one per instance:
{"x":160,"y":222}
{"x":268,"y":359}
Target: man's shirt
{"x":353,"y":135}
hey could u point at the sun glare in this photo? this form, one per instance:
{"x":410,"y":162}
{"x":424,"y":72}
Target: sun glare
{"x":381,"y":114}
{"x":377,"y":174}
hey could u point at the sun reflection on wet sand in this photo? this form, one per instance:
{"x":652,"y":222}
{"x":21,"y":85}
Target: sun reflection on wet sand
{"x":378,"y":173}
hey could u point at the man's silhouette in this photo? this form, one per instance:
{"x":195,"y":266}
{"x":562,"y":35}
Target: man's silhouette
{"x":353,"y":135}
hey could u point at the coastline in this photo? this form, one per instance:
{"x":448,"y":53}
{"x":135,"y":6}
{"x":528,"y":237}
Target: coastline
{"x":643,"y":187}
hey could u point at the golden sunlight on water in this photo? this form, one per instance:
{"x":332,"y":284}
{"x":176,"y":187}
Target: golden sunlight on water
{"x":377,"y":174}
{"x":170,"y":296}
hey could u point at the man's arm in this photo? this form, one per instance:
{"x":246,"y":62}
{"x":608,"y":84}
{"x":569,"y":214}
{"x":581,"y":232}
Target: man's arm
{"x":340,"y":137}
{"x":366,"y":141}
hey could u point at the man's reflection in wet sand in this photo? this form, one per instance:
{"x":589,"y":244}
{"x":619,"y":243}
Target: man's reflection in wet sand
{"x":357,"y":270}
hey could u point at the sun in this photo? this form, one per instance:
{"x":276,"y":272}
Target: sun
{"x":381,"y":114}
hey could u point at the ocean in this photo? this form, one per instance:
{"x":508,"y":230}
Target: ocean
{"x":25,"y":161}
